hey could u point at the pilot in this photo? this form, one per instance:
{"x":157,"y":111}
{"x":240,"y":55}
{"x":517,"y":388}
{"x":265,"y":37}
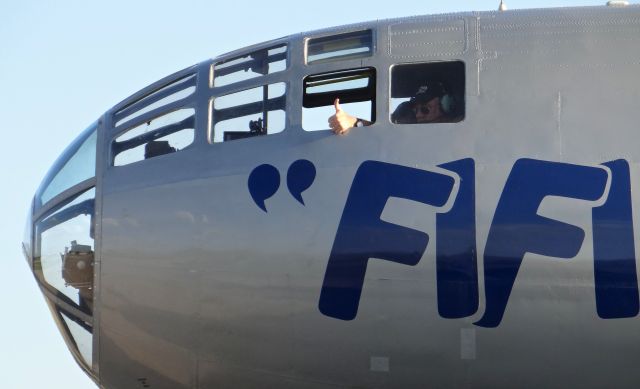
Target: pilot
{"x":426,"y":106}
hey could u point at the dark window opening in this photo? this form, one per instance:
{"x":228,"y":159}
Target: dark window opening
{"x":428,"y":93}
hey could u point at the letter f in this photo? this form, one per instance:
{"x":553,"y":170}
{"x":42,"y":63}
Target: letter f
{"x":361,"y":234}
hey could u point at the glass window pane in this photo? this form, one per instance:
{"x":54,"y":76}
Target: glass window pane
{"x":313,"y":88}
{"x":258,"y":63}
{"x":82,"y":336}
{"x":165,"y":134}
{"x":173,"y":92}
{"x":65,"y":256}
{"x":76,"y":164}
{"x":167,"y":100}
{"x":351,"y":45}
{"x":252,"y":112}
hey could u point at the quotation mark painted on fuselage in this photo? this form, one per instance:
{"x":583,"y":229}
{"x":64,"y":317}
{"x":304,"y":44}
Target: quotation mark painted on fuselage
{"x":264,"y":181}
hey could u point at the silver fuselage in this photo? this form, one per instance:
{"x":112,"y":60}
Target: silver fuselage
{"x":195,"y":286}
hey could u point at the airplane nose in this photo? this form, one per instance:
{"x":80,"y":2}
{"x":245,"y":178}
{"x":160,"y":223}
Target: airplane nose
{"x":59,"y":245}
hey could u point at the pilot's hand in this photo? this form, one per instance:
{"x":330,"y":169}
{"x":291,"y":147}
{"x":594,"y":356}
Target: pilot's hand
{"x":341,"y":122}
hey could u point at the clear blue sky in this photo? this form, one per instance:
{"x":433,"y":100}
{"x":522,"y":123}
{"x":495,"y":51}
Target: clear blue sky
{"x":62,"y":64}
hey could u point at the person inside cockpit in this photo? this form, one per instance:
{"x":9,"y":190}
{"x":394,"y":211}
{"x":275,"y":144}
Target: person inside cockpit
{"x":430,"y":104}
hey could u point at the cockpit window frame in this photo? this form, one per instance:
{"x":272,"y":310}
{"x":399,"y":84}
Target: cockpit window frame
{"x":261,"y":107}
{"x":255,"y":65}
{"x":60,"y":164}
{"x":340,"y":83}
{"x":45,"y":222}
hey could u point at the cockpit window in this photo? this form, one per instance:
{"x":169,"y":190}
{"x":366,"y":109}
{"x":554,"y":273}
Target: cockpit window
{"x":64,"y":255}
{"x":352,"y":45}
{"x":424,"y":93}
{"x":81,"y":334}
{"x":162,"y":135}
{"x":252,"y":112}
{"x":76,"y":164}
{"x":258,"y":63}
{"x":355,"y":88}
{"x":176,"y":91}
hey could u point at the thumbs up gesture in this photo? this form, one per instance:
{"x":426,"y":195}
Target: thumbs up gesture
{"x":341,"y":122}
